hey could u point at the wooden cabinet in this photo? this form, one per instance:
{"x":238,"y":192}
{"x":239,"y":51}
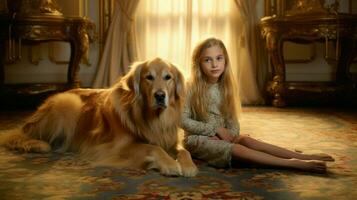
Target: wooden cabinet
{"x":340,"y":28}
{"x":34,"y":29}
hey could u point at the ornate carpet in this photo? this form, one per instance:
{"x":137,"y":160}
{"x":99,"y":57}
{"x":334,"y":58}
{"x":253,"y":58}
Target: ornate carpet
{"x":65,"y":176}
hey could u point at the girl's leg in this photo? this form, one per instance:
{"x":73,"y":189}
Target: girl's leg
{"x":279,"y":151}
{"x":240,"y":152}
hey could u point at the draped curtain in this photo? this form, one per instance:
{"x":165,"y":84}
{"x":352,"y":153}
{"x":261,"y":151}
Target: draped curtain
{"x":171,"y":29}
{"x":251,"y":54}
{"x":119,"y":49}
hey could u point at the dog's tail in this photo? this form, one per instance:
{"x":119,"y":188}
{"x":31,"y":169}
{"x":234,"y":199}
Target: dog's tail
{"x":53,"y":124}
{"x":56,"y":120}
{"x":15,"y":139}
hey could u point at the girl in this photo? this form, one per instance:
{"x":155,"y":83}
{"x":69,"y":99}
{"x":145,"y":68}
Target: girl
{"x":210,"y":118}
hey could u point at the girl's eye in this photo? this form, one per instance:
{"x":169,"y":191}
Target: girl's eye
{"x":149,"y":77}
{"x":207,"y":60}
{"x":220,"y":58}
{"x":167,"y":77}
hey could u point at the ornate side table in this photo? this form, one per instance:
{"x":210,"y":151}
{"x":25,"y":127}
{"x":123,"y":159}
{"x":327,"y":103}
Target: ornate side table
{"x":309,"y":28}
{"x":75,"y":30}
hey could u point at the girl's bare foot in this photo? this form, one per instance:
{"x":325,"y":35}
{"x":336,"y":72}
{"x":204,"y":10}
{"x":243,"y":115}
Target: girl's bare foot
{"x":322,"y":157}
{"x":316,"y":166}
{"x":309,"y":165}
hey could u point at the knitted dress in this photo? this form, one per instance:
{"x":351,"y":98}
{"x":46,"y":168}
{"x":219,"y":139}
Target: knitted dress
{"x":197,"y":133}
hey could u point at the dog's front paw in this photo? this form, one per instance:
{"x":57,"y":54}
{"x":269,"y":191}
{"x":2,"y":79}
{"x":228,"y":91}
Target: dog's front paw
{"x":36,"y":146}
{"x":171,"y":169}
{"x":189,"y":169}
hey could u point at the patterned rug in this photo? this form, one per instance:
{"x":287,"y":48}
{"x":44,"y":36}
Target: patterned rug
{"x":65,"y":176}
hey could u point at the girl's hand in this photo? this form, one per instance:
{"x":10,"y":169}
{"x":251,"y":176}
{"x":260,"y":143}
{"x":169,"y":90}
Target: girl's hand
{"x":224,"y":134}
{"x":236,"y":139}
{"x":214,"y":138}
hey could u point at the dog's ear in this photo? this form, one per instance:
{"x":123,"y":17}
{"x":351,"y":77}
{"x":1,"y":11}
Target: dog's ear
{"x":180,"y":83}
{"x":131,"y":81}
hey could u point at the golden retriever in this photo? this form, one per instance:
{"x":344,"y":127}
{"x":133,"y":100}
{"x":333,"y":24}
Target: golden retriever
{"x":133,"y":124}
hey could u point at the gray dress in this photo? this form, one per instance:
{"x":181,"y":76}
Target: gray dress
{"x":197,"y":133}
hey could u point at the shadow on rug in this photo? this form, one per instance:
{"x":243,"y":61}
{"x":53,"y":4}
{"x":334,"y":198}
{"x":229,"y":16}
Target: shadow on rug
{"x":65,"y":176}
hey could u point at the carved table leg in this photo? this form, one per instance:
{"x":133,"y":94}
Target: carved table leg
{"x":73,"y":67}
{"x":276,"y":87}
{"x":79,"y":47}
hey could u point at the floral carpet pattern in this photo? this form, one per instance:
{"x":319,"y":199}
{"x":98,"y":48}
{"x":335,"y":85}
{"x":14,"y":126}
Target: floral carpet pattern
{"x":312,"y":130}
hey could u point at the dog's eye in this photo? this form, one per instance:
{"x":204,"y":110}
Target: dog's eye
{"x":150,"y":77}
{"x":167,"y":77}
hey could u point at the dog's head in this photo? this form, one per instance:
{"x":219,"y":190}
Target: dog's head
{"x":156,"y":83}
{"x":149,"y":99}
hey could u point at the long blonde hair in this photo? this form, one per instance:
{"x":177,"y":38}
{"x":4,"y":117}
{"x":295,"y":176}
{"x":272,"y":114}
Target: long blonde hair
{"x":198,"y":84}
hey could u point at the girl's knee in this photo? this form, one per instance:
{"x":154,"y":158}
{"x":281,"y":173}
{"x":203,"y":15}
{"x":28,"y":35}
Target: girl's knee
{"x":244,"y":140}
{"x":238,"y":149}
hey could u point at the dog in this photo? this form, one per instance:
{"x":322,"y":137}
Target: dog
{"x":133,"y":124}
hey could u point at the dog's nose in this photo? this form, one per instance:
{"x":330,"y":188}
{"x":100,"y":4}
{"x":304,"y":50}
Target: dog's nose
{"x":160,"y":96}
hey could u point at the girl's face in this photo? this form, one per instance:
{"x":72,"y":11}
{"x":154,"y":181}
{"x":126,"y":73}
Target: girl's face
{"x":212,"y":63}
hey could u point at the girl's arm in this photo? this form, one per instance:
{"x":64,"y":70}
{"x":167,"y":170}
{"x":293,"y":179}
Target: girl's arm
{"x":195,"y":127}
{"x":224,"y":134}
{"x":230,"y":132}
{"x":233,"y":127}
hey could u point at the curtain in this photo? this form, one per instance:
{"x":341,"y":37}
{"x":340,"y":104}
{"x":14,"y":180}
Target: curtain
{"x":251,"y":54}
{"x":171,"y":29}
{"x":119,"y":49}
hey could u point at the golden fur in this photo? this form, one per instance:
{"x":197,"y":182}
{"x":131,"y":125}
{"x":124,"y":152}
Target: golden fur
{"x":133,"y":124}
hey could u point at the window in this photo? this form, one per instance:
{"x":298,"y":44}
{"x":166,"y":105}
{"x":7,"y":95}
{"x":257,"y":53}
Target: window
{"x":171,"y":28}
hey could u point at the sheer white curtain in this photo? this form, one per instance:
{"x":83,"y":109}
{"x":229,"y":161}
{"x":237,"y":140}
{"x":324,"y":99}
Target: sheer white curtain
{"x":172,"y":28}
{"x":119,"y":49}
